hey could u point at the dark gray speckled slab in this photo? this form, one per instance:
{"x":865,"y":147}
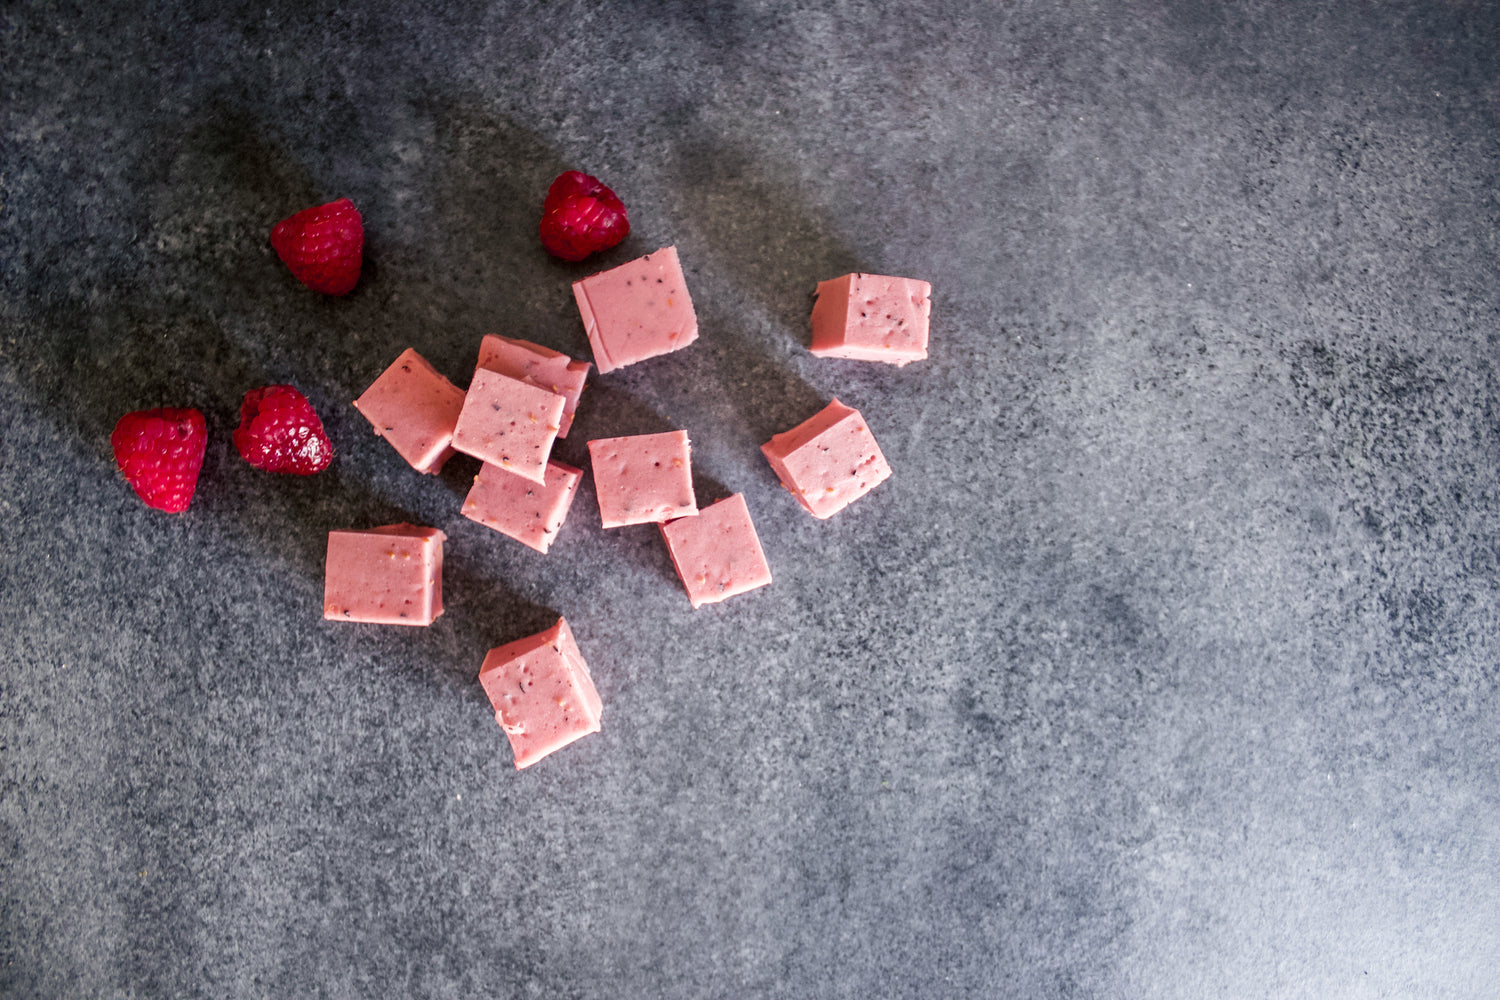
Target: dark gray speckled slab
{"x":1165,"y":664}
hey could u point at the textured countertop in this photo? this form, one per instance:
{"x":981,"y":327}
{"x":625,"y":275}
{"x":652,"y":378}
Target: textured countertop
{"x":1165,"y":664}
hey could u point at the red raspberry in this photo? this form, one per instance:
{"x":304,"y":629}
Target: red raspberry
{"x":581,"y":216}
{"x":161,"y":452}
{"x":323,"y":246}
{"x":280,"y":432}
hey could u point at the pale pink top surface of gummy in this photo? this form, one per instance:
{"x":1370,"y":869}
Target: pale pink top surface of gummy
{"x":390,"y":575}
{"x":542,"y":693}
{"x":414,"y":408}
{"x":828,"y":461}
{"x":872,"y":317}
{"x":508,"y":423}
{"x":643,"y":478}
{"x":531,"y":513}
{"x":636,"y":311}
{"x":540,"y":366}
{"x":717,"y":554}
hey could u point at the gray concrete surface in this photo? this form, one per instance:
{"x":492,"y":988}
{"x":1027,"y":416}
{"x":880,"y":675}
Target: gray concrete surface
{"x":1164,"y":666}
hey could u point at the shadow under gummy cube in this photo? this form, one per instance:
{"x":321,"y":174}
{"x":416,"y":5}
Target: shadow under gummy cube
{"x":872,"y":317}
{"x":829,"y":460}
{"x":509,"y":423}
{"x":391,"y":575}
{"x":542,"y":693}
{"x":717,"y":553}
{"x":636,"y":311}
{"x":414,"y":408}
{"x":539,"y":366}
{"x":643,"y":478}
{"x":530,"y":513}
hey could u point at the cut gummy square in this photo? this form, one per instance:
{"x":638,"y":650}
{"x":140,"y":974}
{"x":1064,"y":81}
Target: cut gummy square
{"x":542,"y":693}
{"x":541,"y":367}
{"x":872,"y":317}
{"x":508,"y":423}
{"x":414,"y":408}
{"x":643,"y":478}
{"x":392,"y":575}
{"x":829,"y":460}
{"x":637,"y":311}
{"x":528,"y":512}
{"x":717,"y":554}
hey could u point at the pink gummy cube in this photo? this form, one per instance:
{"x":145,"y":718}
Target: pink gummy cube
{"x":637,"y":311}
{"x":643,"y":478}
{"x":717,"y":554}
{"x":391,"y":575}
{"x":414,"y":408}
{"x":542,"y":693}
{"x":527,"y":512}
{"x":540,"y":366}
{"x":508,"y":423}
{"x":829,"y":460}
{"x":872,"y":317}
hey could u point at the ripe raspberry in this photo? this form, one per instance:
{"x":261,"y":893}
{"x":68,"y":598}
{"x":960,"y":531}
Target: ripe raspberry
{"x":161,"y":451}
{"x":581,"y":216}
{"x":280,"y":432}
{"x":323,"y":246}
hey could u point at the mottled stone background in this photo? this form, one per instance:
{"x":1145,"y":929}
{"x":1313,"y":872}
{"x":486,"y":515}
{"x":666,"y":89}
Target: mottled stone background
{"x":1165,"y":665}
